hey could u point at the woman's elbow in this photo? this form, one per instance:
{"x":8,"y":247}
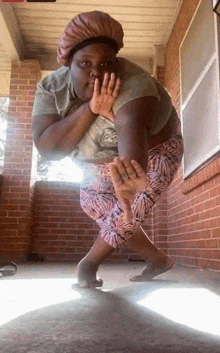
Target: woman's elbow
{"x":45,"y":151}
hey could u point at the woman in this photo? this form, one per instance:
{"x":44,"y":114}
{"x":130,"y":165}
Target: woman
{"x":119,"y":123}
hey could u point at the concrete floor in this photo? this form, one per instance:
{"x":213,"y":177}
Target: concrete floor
{"x":42,"y":310}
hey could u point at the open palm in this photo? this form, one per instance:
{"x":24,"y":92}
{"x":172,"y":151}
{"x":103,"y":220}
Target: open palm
{"x":104,"y":97}
{"x":128,"y":178}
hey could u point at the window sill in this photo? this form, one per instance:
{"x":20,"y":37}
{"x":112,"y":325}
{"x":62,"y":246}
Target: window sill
{"x":207,"y":172}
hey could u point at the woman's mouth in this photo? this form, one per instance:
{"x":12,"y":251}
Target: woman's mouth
{"x":91,"y":84}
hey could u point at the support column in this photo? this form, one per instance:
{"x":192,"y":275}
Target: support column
{"x":17,"y":184}
{"x":159,"y":63}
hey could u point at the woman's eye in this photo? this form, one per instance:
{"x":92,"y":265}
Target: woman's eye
{"x":107,"y":63}
{"x":85,"y":63}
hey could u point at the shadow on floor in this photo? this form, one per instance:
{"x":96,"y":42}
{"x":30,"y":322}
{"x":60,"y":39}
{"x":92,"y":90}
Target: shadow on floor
{"x":121,"y":317}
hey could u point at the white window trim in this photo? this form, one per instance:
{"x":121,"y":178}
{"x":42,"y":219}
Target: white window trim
{"x":215,"y":56}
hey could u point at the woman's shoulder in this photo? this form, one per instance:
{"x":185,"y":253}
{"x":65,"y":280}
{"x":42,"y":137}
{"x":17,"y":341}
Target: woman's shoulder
{"x":129,"y":69}
{"x":56,"y":80}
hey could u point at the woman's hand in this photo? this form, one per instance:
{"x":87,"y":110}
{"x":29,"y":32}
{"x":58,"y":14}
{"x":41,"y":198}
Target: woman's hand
{"x":103,"y":99}
{"x":128,"y":179}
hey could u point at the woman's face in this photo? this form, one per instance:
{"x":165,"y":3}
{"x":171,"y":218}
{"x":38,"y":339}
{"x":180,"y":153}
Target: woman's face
{"x":90,"y":63}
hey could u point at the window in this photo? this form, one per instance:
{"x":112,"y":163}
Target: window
{"x":200,"y":100}
{"x":4,"y":102}
{"x":63,"y":170}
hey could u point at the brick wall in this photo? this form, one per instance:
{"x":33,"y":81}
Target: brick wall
{"x":16,"y":196}
{"x":1,"y":177}
{"x":62,"y":231}
{"x":192,"y":204}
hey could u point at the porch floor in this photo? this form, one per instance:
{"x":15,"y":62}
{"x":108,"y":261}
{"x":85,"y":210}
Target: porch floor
{"x":42,"y":310}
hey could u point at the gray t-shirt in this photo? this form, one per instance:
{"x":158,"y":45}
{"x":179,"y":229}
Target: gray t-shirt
{"x":55,"y":95}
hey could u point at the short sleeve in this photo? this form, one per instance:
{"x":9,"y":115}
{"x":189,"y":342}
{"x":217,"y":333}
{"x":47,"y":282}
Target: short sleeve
{"x":136,"y":83}
{"x":44,"y":102}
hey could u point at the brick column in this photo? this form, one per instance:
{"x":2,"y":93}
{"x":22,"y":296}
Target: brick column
{"x":17,"y":185}
{"x":160,"y":73}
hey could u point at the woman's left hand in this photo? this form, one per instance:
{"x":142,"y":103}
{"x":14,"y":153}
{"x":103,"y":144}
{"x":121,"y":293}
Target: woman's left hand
{"x":103,"y":99}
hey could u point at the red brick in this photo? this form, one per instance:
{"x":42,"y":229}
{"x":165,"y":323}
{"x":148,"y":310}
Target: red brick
{"x":13,"y":86}
{"x":9,"y":226}
{"x":23,"y":109}
{"x":203,"y":263}
{"x":216,"y":233}
{"x":216,"y":254}
{"x":21,"y":82}
{"x":205,"y":234}
{"x":205,"y":215}
{"x":27,"y":77}
{"x":16,"y":214}
{"x":214,"y":265}
{"x":190,"y":261}
{"x":209,"y":184}
{"x":206,"y":254}
{"x":201,"y":243}
{"x":214,"y":192}
{"x":209,"y":204}
{"x":215,"y":212}
{"x":217,"y":177}
{"x":211,"y":243}
{"x":199,"y":208}
{"x":210,"y":223}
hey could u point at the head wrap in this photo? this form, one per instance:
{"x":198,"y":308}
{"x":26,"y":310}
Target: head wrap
{"x":87,"y":28}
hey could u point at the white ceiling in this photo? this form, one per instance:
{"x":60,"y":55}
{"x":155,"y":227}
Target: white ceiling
{"x":146,"y":24}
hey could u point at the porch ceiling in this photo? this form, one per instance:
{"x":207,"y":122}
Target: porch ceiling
{"x":146,"y":24}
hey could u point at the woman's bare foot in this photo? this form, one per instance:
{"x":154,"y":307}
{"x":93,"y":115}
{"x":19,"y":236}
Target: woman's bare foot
{"x":152,"y":270}
{"x":87,"y":275}
{"x":88,"y":266}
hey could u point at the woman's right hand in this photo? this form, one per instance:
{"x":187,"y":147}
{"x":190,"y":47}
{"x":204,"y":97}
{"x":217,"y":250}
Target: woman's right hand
{"x":104,"y":97}
{"x":128,"y":178}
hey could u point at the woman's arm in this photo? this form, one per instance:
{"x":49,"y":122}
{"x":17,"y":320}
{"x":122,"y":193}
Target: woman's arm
{"x":132,"y":123}
{"x":55,"y":138}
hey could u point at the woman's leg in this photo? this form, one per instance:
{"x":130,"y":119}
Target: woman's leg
{"x":101,"y":204}
{"x":88,"y":266}
{"x":164,"y":161}
{"x":157,"y":261}
{"x":97,"y":198}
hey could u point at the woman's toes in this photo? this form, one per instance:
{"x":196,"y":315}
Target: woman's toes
{"x":150,"y":272}
{"x":92,"y":283}
{"x":97,"y":283}
{"x":137,"y":279}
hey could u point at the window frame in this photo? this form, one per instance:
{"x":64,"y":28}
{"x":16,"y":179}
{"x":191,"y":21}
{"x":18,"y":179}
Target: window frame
{"x":215,"y":57}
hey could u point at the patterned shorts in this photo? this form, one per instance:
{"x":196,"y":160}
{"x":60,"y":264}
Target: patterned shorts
{"x":99,"y":201}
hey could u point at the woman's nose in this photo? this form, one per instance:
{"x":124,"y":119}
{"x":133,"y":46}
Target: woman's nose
{"x":96,"y":72}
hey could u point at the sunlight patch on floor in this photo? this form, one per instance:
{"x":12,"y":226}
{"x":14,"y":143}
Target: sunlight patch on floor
{"x":25,"y":295}
{"x":197,"y":308}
